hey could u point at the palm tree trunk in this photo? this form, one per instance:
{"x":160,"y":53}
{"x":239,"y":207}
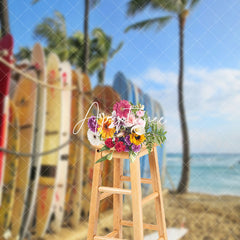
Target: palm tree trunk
{"x":184,"y":181}
{"x":86,"y":44}
{"x":5,"y":28}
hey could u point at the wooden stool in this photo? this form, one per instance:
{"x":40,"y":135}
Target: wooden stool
{"x":100,"y":192}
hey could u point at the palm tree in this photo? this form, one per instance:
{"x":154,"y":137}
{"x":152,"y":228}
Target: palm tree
{"x":88,"y":4}
{"x":102,"y":52}
{"x":181,"y":9}
{"x":23,"y":53}
{"x":5,"y":28}
{"x":53,"y":31}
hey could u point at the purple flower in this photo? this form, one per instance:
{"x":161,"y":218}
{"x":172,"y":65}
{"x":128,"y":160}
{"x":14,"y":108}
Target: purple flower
{"x":127,"y":140}
{"x":92,"y":124}
{"x":136,"y":148}
{"x":126,"y":148}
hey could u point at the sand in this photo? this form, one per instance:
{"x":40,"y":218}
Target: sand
{"x":207,"y":217}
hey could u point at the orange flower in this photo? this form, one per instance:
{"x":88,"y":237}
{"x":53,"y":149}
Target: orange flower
{"x":104,"y":129}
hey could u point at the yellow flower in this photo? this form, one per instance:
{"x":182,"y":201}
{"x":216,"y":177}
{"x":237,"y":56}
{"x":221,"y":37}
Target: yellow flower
{"x":137,"y":139}
{"x":104,"y":129}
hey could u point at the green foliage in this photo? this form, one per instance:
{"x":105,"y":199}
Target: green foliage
{"x":158,"y":22}
{"x":53,"y":31}
{"x":171,"y":6}
{"x":23,"y":53}
{"x":106,"y":157}
{"x":154,"y":134}
{"x":132,"y":156}
{"x":101,"y":52}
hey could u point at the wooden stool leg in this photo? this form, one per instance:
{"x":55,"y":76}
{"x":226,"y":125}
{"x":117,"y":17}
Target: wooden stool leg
{"x":136,"y":199}
{"x":95,"y":198}
{"x":160,"y":215}
{"x":117,"y":198}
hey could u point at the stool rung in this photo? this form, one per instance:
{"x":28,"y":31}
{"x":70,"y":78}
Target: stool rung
{"x":143,"y":180}
{"x":113,"y":190}
{"x":145,"y":225}
{"x":107,"y":238}
{"x":112,"y":234}
{"x":104,"y":195}
{"x":150,"y":197}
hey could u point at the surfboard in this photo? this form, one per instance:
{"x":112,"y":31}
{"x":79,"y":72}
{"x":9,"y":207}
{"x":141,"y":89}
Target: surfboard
{"x":88,"y":152}
{"x":76,"y":194}
{"x":106,"y":97}
{"x":61,"y":182}
{"x":146,"y":167}
{"x":72,"y":149}
{"x":48,"y":171}
{"x":10,"y":171}
{"x":25,"y":102}
{"x":160,"y":150}
{"x":123,"y":87}
{"x":38,"y":65}
{"x":6,"y":48}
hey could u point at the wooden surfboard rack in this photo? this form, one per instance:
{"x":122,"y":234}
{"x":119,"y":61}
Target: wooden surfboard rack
{"x":101,"y":192}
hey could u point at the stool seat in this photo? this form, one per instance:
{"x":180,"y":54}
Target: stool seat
{"x":101,"y":192}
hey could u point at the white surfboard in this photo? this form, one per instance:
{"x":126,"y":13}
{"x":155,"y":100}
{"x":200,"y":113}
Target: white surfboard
{"x":61,"y":182}
{"x":38,"y":64}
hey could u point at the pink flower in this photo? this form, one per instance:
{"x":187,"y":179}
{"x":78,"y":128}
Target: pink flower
{"x":140,"y":122}
{"x":122,"y":108}
{"x":140,"y":113}
{"x":130,"y":120}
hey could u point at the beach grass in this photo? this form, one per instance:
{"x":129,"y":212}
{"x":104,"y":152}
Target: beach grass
{"x":207,"y":217}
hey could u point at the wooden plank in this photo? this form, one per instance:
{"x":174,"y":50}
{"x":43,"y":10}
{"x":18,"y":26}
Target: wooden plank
{"x":150,"y":197}
{"x":124,"y":155}
{"x":112,"y":234}
{"x":160,"y":215}
{"x":145,"y":225}
{"x":136,"y":199}
{"x":106,"y":238}
{"x":95,"y":198}
{"x":104,"y":195}
{"x":114,"y":190}
{"x":143,"y":180}
{"x":117,"y":199}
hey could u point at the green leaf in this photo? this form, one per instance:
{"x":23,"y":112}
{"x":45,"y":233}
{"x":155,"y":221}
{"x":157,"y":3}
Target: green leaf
{"x":136,"y":6}
{"x":193,"y":4}
{"x":109,"y":156}
{"x":158,"y":22}
{"x":104,"y":148}
{"x":132,"y":156}
{"x":106,"y":157}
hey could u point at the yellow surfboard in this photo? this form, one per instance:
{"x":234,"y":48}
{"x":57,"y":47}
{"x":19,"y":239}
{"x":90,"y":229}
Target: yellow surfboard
{"x":48,"y":172}
{"x":11,"y":166}
{"x":88,"y":154}
{"x":25,"y":102}
{"x":72,"y":150}
{"x":76,"y":193}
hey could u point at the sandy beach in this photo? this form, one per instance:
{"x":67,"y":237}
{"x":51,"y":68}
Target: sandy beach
{"x":207,"y":217}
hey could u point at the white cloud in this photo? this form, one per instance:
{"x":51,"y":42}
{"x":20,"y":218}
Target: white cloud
{"x":212,"y":100}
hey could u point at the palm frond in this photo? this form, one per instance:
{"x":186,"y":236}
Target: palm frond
{"x":193,"y":4}
{"x":174,"y":6}
{"x":113,"y":52}
{"x":35,"y":1}
{"x":135,"y":6}
{"x":93,"y":3}
{"x":158,"y":22}
{"x":94,"y":64}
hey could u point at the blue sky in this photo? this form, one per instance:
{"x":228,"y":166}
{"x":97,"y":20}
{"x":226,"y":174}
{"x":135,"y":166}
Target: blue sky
{"x":212,"y":58}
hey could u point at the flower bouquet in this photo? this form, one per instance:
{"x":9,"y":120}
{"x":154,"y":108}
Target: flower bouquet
{"x":127,"y":129}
